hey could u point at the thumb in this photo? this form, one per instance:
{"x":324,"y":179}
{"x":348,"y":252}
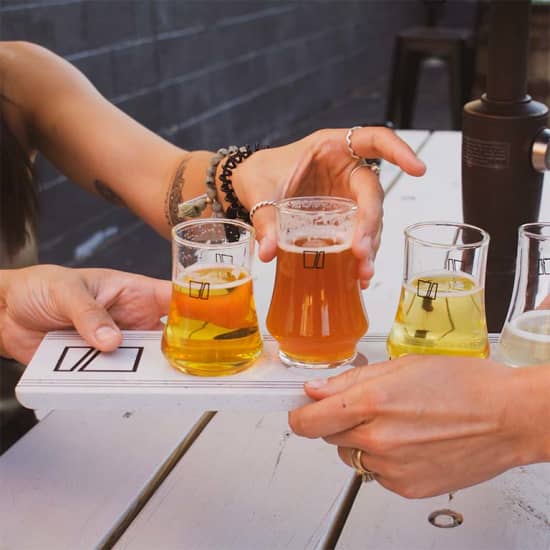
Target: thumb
{"x":325,"y":387}
{"x":90,"y":318}
{"x":265,"y":223}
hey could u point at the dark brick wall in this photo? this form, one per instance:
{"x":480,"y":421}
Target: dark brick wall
{"x":203,"y":74}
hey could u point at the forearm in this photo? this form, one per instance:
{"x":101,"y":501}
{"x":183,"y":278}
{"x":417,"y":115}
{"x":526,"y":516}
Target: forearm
{"x":530,"y":403}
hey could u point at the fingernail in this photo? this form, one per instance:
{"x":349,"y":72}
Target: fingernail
{"x":316,"y":383}
{"x":106,"y":333}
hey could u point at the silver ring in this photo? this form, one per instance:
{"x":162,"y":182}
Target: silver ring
{"x":348,"y":142}
{"x":357,"y":463}
{"x":371,"y":165}
{"x":259,"y":205}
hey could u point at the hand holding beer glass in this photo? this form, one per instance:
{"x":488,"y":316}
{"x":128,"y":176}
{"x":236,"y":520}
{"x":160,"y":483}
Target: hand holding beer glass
{"x":316,"y":314}
{"x":441,"y":308}
{"x":212,"y":327}
{"x":525,"y":339}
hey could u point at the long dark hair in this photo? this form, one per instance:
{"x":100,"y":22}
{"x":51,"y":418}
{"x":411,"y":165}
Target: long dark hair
{"x":18,"y":194}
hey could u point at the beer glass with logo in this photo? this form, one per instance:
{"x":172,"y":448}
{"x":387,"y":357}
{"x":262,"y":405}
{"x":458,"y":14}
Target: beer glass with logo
{"x":316,"y":312}
{"x":525,"y":338}
{"x":441,"y":308}
{"x":212,"y":328}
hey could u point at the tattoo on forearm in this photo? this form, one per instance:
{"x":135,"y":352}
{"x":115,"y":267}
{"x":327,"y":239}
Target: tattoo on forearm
{"x":173,"y":196}
{"x":107,"y":193}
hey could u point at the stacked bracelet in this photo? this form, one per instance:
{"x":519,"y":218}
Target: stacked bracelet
{"x":195,"y":207}
{"x":235,"y":208}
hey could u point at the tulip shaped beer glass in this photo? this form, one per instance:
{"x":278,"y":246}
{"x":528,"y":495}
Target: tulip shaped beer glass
{"x":441,"y":308}
{"x":212,"y":328}
{"x":525,"y":338}
{"x":316,"y":312}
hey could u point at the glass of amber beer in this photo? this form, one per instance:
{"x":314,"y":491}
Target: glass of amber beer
{"x":441,"y":309}
{"x":212,"y":327}
{"x":316,"y":312}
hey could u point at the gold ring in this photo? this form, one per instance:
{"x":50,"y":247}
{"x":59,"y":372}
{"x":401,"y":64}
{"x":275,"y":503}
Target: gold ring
{"x":357,"y":463}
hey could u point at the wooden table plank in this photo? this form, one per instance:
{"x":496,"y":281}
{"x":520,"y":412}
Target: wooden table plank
{"x":247,"y":482}
{"x":69,"y":481}
{"x":511,"y":511}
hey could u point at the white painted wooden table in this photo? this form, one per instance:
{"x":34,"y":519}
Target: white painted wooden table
{"x":158,"y":479}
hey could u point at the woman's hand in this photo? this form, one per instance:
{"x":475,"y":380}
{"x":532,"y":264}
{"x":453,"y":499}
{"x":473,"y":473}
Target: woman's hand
{"x":429,"y":425}
{"x":321,"y":164}
{"x":98,"y":302}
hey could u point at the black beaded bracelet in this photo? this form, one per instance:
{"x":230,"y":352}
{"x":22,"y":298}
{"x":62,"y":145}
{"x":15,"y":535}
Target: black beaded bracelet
{"x":235,"y":208}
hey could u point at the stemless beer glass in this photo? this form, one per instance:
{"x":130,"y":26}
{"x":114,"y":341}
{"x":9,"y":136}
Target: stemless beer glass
{"x":212,"y":328}
{"x":525,"y":339}
{"x":316,"y":312}
{"x":441,"y":308}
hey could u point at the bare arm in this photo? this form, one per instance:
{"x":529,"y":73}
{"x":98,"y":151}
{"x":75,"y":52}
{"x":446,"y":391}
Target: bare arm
{"x":56,"y":110}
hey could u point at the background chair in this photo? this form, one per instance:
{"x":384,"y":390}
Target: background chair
{"x":455,"y":46}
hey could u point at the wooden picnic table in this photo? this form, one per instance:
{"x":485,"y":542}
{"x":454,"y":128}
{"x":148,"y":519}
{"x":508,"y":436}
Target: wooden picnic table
{"x":167,"y":479}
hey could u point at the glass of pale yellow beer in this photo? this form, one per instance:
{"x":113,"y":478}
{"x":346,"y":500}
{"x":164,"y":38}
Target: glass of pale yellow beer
{"x":441,"y":309}
{"x":525,"y":338}
{"x":316,"y":314}
{"x":212,"y":327}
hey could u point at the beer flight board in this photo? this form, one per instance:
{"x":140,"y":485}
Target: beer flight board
{"x":66,"y":373}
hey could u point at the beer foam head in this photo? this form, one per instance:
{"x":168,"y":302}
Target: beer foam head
{"x":316,"y":240}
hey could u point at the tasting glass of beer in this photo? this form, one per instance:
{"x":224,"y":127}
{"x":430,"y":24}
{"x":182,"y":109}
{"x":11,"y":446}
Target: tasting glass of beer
{"x":441,"y":308}
{"x":316,"y":314}
{"x":525,"y":338}
{"x":212,"y":327}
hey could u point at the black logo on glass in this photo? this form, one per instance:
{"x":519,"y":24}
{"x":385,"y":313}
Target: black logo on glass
{"x":223,"y":258}
{"x":426,"y":289}
{"x":199,"y":290}
{"x":453,"y":264}
{"x":313,"y":259}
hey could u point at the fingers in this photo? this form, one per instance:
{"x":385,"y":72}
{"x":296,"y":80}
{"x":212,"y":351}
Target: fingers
{"x":345,"y":402}
{"x":265,"y":223}
{"x":368,"y":193}
{"x":90,"y":319}
{"x":379,"y":142}
{"x":368,"y":462}
{"x":325,"y":387}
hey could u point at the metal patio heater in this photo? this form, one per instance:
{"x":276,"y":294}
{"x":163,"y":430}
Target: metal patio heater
{"x":505,"y":151}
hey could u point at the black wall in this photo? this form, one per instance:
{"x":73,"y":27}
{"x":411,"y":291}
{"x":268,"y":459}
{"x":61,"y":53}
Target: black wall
{"x":203,"y":74}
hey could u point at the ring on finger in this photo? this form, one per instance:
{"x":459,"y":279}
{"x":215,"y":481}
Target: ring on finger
{"x":365,"y":163}
{"x":374,"y":165}
{"x":357,"y":463}
{"x":259,"y":205}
